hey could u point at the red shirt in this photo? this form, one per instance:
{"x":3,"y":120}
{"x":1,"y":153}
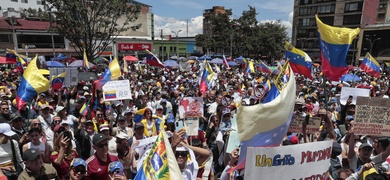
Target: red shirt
{"x":63,"y":169}
{"x":200,"y":136}
{"x":98,"y":169}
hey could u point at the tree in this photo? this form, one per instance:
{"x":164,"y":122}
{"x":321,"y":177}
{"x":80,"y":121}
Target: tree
{"x":221,"y":34}
{"x":91,"y":25}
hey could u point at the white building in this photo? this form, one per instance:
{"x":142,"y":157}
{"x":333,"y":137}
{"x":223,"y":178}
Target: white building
{"x":19,"y":5}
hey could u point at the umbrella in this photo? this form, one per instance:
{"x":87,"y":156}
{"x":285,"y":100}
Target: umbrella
{"x":240,"y":58}
{"x":87,"y":76}
{"x":216,"y":61}
{"x":232,"y":63}
{"x":193,"y":58}
{"x":79,"y":63}
{"x":3,"y":60}
{"x":101,"y":59}
{"x":174,"y":57}
{"x":350,"y":77}
{"x":54,"y":64}
{"x":171,"y":63}
{"x":131,"y":58}
{"x":203,"y":57}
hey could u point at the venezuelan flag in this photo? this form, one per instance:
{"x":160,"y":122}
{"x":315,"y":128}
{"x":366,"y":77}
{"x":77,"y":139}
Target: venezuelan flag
{"x":84,"y":110}
{"x":11,"y":56}
{"x":334,"y":46}
{"x":206,"y":78}
{"x":112,"y":72}
{"x":138,"y":116}
{"x":225,"y":62}
{"x":86,"y":63}
{"x":110,"y":95}
{"x":160,"y":163}
{"x":152,"y":60}
{"x":31,"y":84}
{"x":266,"y":124}
{"x":371,"y":66}
{"x":300,"y":62}
{"x":263,"y":68}
{"x":58,"y":81}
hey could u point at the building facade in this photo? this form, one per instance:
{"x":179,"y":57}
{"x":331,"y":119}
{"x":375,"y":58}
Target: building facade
{"x":339,"y":13}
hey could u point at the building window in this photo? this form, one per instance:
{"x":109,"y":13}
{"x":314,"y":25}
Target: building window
{"x":306,"y":22}
{"x":305,"y":2}
{"x":302,"y":33}
{"x":39,"y":2}
{"x":325,"y":9}
{"x":382,"y":5}
{"x":352,"y":19}
{"x":351,"y":7}
{"x":7,"y":38}
{"x":327,"y":20}
{"x":24,"y":1}
{"x":304,"y":11}
{"x":14,"y":0}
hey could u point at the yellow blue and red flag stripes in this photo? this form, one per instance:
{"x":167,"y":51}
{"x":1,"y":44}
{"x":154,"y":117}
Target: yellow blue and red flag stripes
{"x":334,"y":45}
{"x":371,"y":66}
{"x":266,"y":124}
{"x":263,"y":68}
{"x":110,"y":95}
{"x":10,"y":56}
{"x":85,"y":61}
{"x":225,"y":62}
{"x":152,"y":60}
{"x":138,"y":116}
{"x":299,"y":61}
{"x":112,"y":72}
{"x":58,"y":81}
{"x":160,"y":163}
{"x":31,"y":84}
{"x":206,"y":78}
{"x":84,"y":110}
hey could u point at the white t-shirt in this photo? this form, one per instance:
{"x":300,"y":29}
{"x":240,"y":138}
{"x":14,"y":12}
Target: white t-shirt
{"x":46,"y":122}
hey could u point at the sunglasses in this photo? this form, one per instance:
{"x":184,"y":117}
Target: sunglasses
{"x":57,"y":122}
{"x":99,"y":115}
{"x":34,"y":124}
{"x":79,"y":170}
{"x":159,"y":110}
{"x":181,"y":153}
{"x":102,"y":145}
{"x":4,"y":109}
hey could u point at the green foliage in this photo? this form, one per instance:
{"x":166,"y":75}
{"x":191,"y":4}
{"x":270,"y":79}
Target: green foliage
{"x":245,"y":35}
{"x":91,"y":25}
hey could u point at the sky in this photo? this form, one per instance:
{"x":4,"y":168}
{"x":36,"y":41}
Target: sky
{"x":172,"y":15}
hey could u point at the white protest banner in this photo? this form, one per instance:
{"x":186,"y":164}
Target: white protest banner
{"x":302,"y":161}
{"x":192,"y":126}
{"x":191,"y":107}
{"x":312,"y":127}
{"x":234,"y":141}
{"x":354,"y":92}
{"x":142,"y":147}
{"x":116,"y":90}
{"x":372,"y":116}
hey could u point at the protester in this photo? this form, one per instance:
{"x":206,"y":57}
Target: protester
{"x":11,"y":161}
{"x":63,"y":154}
{"x":34,"y":135}
{"x":35,"y":168}
{"x":78,"y":169}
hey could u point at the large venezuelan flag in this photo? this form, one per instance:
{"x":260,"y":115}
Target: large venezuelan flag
{"x":334,"y":46}
{"x":206,"y":78}
{"x":263,"y":68}
{"x":299,"y":61}
{"x":31,"y":84}
{"x":371,"y":66}
{"x":266,"y":124}
{"x":139,"y":115}
{"x":58,"y":81}
{"x":152,"y":60}
{"x":160,"y":163}
{"x":113,"y":71}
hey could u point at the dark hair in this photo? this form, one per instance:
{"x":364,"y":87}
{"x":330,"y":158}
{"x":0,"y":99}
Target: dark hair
{"x":375,"y":176}
{"x":99,"y":109}
{"x":39,"y":131}
{"x":384,"y":142}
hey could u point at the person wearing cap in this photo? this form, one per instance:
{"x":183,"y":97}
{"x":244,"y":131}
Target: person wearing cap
{"x":35,"y":167}
{"x":41,"y":100}
{"x":17,"y":127}
{"x":34,"y":135}
{"x":122,"y":128}
{"x":98,"y":119}
{"x":83,"y":136}
{"x":4,"y":112}
{"x":68,"y":118}
{"x":116,"y":171}
{"x":87,"y":96}
{"x":11,"y":160}
{"x":160,"y":111}
{"x":129,"y":118}
{"x":105,"y":130}
{"x":63,"y":154}
{"x":139,"y":129}
{"x":117,"y":107}
{"x":126,"y":155}
{"x":97,"y":164}
{"x":45,"y":117}
{"x":78,"y":103}
{"x":78,"y":169}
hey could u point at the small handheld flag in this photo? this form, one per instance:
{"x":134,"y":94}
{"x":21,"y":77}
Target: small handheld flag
{"x":58,"y":81}
{"x":86,"y":63}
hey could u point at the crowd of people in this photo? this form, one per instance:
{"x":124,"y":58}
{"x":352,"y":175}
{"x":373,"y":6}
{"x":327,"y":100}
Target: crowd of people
{"x":50,"y":137}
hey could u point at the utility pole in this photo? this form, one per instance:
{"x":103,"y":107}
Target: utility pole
{"x":162,"y":45}
{"x":177,"y":42}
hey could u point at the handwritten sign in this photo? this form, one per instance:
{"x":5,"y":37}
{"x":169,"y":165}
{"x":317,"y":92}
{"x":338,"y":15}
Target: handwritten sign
{"x":191,"y":107}
{"x":289,"y":162}
{"x":354,"y":92}
{"x":116,"y":90}
{"x":372,"y":116}
{"x":192,"y":126}
{"x":312,"y":127}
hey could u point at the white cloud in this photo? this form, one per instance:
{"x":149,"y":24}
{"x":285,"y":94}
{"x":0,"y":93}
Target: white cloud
{"x":275,"y":5}
{"x":287,"y":24}
{"x":169,"y":24}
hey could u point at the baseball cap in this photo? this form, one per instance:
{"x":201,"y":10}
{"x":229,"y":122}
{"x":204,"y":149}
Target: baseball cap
{"x":59,"y":108}
{"x":5,"y":129}
{"x":128,"y":111}
{"x":44,"y":106}
{"x":104,"y":127}
{"x":64,"y":122}
{"x":293,"y":139}
{"x":138,"y":125}
{"x":170,"y":118}
{"x":15,"y":117}
{"x":163,"y":101}
{"x":31,"y":154}
{"x":365,"y":145}
{"x":114,"y":166}
{"x":117,"y":103}
{"x":97,"y":138}
{"x":86,"y":94}
{"x":159,"y":107}
{"x":89,"y":121}
{"x":122,"y":136}
{"x":78,"y":162}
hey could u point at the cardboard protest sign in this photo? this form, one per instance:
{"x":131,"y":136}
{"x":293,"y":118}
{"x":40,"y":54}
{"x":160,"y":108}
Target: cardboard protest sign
{"x":116,"y":90}
{"x":312,"y":127}
{"x":289,"y":162}
{"x":354,"y":92}
{"x":372,"y":116}
{"x":191,"y":107}
{"x":192,"y":126}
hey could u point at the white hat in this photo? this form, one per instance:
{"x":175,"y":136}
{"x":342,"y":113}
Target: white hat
{"x":64,"y":122}
{"x":59,"y":108}
{"x":5,"y":129}
{"x":122,"y":136}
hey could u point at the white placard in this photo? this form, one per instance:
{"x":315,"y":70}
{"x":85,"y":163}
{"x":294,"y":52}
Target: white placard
{"x":116,"y":90}
{"x":302,"y":161}
{"x":192,"y":126}
{"x":354,"y":92}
